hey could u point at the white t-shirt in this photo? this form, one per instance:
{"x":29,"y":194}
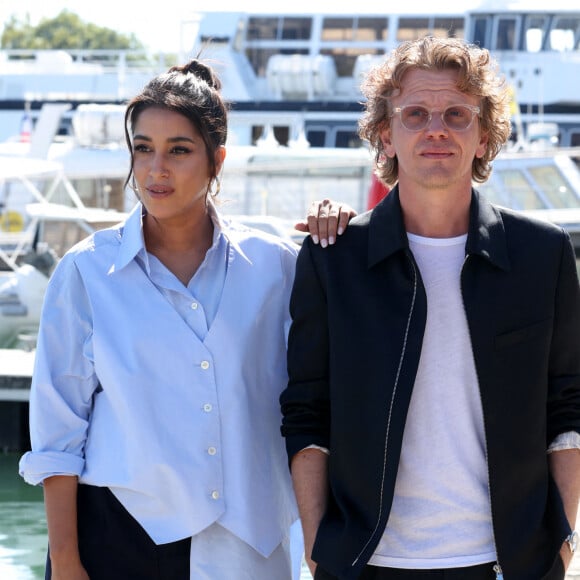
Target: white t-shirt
{"x":441,"y":514}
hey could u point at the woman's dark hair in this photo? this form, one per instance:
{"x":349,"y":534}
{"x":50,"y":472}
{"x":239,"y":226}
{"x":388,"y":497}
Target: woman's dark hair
{"x":192,"y":90}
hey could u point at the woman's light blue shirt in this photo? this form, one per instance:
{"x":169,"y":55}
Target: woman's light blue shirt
{"x":166,"y":394}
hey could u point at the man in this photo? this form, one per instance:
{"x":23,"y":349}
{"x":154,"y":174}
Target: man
{"x":432,"y":415}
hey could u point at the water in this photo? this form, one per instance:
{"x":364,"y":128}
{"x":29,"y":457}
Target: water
{"x":23,"y":537}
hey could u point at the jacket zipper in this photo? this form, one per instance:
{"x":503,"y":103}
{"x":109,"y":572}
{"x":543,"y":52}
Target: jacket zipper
{"x":403,"y":351}
{"x":497,"y":567}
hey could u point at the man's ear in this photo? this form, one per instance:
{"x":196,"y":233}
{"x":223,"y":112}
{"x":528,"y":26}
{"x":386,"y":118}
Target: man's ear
{"x":388,"y":147}
{"x":482,"y":146}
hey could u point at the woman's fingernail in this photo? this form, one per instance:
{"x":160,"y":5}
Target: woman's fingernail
{"x":315,"y":239}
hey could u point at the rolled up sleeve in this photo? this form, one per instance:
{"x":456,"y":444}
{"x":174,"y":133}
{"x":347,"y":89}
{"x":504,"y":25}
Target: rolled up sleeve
{"x":564,"y":380}
{"x":63,"y":381}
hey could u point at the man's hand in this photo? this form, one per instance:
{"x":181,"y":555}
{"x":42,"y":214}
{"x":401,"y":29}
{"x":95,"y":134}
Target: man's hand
{"x":326,"y":220}
{"x":310,"y":480}
{"x":566,"y":555}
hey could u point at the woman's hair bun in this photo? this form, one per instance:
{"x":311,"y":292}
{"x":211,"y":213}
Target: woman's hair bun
{"x":201,"y":71}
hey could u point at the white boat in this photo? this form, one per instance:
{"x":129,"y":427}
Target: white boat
{"x":263,"y":187}
{"x":41,"y":216}
{"x":293,"y":80}
{"x":297,"y":75}
{"x":300,"y":73}
{"x":542,"y":184}
{"x":265,"y":178}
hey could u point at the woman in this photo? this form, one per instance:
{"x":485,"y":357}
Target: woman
{"x":161,"y":355}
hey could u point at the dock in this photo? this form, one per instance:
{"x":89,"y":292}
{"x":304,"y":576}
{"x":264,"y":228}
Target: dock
{"x":15,"y":376}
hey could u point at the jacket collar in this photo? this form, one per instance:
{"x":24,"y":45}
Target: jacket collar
{"x":486,"y":235}
{"x":387,"y":233}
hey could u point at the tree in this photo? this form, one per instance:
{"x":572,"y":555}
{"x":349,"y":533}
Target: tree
{"x":65,"y":31}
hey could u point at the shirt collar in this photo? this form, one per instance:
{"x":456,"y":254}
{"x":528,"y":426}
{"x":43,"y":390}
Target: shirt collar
{"x":486,"y":236}
{"x":133,"y":242}
{"x":131,"y":238}
{"x":230,"y":231}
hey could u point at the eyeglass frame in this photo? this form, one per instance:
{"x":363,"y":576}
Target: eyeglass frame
{"x":475,"y":112}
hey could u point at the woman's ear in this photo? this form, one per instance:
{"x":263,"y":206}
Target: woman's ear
{"x":220,"y":155}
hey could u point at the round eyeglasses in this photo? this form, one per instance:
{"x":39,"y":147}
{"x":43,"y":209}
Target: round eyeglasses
{"x":454,"y":117}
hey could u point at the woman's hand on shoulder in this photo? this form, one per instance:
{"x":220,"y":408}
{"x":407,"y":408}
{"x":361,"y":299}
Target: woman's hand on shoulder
{"x":326,"y":220}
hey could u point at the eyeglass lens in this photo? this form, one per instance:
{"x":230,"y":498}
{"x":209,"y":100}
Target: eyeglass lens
{"x":456,"y":117}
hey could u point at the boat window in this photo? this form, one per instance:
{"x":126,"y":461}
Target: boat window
{"x":480,"y":32}
{"x":296,"y":28}
{"x":372,"y":29}
{"x":448,"y":27}
{"x":412,"y":28}
{"x":262,"y":28}
{"x":345,"y":58}
{"x":575,"y":139}
{"x":506,"y":34}
{"x":316,"y":137}
{"x":565,"y":34}
{"x":518,"y":191}
{"x":258,"y":57}
{"x":278,"y":134}
{"x":347,"y":138}
{"x":282,"y":134}
{"x":535,"y":33}
{"x":60,"y":236}
{"x":556,"y":188}
{"x":491,"y":191}
{"x":334,"y":29}
{"x":108,"y":193}
{"x":279,"y":28}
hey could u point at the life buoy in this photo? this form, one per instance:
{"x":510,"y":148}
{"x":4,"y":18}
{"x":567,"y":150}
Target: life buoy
{"x":11,"y":221}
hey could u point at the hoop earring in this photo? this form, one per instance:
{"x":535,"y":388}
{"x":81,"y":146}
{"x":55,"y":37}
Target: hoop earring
{"x":133,"y":186}
{"x":210,"y":187}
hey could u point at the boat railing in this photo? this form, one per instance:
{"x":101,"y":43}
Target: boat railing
{"x":107,"y":61}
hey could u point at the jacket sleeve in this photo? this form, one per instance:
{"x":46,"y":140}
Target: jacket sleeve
{"x":563,"y":409}
{"x":305,"y":401}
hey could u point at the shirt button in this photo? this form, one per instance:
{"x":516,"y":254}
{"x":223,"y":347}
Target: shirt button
{"x":207,"y":407}
{"x":194,"y":305}
{"x":215,"y":494}
{"x":204,"y":365}
{"x":212,"y":450}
